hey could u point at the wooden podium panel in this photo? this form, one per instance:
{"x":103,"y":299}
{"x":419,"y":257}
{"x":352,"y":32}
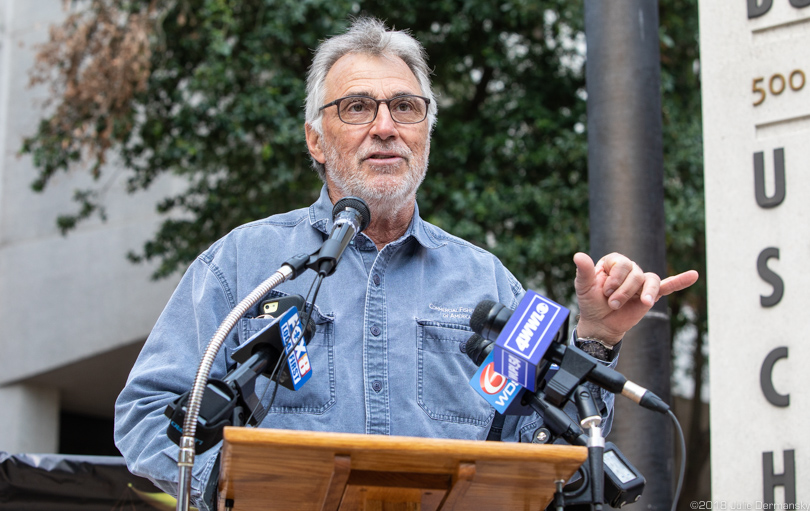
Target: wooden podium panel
{"x":270,"y":469}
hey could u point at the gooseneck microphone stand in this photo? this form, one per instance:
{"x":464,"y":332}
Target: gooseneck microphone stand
{"x":351,"y":216}
{"x":185,"y":461}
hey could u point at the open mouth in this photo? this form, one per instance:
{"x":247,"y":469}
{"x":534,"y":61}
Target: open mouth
{"x":383,"y":156}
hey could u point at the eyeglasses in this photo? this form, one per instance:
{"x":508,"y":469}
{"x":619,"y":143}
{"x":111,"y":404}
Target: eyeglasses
{"x":406,"y":109}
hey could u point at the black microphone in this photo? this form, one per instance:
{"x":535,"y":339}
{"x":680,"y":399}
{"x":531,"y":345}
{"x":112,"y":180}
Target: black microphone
{"x":269,"y":342}
{"x":478,"y":348}
{"x":350,"y":217}
{"x":489,"y":318}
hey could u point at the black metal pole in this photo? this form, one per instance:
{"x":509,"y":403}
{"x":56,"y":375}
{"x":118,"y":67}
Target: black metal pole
{"x":625,"y":169}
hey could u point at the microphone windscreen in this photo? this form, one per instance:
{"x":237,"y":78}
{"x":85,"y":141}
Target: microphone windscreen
{"x":476,"y":348}
{"x":479,"y":316}
{"x":356,"y":204}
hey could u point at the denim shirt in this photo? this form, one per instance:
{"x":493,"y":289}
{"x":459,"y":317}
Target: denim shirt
{"x":387,"y":356}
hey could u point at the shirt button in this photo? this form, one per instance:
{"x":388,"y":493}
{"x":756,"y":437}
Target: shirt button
{"x":375,"y":331}
{"x":462,"y":346}
{"x":376,"y":279}
{"x":376,"y":385}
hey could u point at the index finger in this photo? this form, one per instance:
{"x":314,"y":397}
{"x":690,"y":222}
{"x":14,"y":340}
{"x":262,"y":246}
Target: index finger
{"x":677,"y":282}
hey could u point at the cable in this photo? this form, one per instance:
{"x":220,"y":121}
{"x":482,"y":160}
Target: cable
{"x":585,"y":482}
{"x":682,"y":445}
{"x":275,"y":389}
{"x":309,"y":292}
{"x":318,"y":279}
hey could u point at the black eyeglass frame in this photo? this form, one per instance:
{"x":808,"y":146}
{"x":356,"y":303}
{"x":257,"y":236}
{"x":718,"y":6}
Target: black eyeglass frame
{"x":336,"y":103}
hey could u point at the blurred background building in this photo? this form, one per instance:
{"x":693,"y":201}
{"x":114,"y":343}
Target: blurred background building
{"x":74,"y":310}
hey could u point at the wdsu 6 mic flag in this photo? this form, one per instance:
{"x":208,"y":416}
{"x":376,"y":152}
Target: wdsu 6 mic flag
{"x":499,"y":391}
{"x":527,"y":335}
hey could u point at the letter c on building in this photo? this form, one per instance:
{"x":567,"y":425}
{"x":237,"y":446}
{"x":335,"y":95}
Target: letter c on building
{"x":766,"y":378}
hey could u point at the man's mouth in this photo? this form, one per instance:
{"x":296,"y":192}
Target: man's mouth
{"x":385,"y":157}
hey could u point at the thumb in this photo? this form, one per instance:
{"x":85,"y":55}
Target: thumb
{"x":586,"y":272}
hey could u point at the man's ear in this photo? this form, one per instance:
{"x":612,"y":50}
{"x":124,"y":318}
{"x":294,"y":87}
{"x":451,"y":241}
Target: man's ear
{"x":314,"y":143}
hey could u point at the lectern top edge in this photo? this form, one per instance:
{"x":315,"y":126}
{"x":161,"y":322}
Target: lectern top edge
{"x":380,"y":443}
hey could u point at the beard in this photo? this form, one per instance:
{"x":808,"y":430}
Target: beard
{"x":385,"y":197}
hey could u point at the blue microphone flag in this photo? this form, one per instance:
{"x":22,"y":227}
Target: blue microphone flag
{"x":297,"y":357}
{"x":504,"y":395}
{"x":527,"y":335}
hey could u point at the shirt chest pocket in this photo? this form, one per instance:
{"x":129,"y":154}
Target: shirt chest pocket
{"x":443,"y":383}
{"x":318,"y":394}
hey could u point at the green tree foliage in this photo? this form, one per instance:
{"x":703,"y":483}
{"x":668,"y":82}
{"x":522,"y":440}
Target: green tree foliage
{"x":683,"y":155}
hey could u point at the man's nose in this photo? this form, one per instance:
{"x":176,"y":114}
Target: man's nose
{"x":383,"y":126}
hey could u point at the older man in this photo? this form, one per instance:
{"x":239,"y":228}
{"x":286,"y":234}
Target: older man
{"x":392,"y":321}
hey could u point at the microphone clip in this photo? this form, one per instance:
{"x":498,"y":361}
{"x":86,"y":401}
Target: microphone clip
{"x":575,"y":367}
{"x":231,"y":401}
{"x":323,"y":261}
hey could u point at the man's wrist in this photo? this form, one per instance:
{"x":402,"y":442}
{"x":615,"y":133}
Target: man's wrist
{"x":596,"y":347}
{"x":587,"y":331}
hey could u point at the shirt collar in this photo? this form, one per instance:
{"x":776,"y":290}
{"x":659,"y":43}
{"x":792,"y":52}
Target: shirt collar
{"x":320,"y":217}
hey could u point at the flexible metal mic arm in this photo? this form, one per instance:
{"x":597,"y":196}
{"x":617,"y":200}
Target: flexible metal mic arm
{"x":185,"y":460}
{"x":350,"y":216}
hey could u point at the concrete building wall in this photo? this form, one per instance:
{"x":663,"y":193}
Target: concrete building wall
{"x":756,"y":126}
{"x":74,"y":310}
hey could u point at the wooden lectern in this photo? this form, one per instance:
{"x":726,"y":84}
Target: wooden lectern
{"x":270,"y":469}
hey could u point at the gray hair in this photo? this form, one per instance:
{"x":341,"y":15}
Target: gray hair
{"x":366,"y":36}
